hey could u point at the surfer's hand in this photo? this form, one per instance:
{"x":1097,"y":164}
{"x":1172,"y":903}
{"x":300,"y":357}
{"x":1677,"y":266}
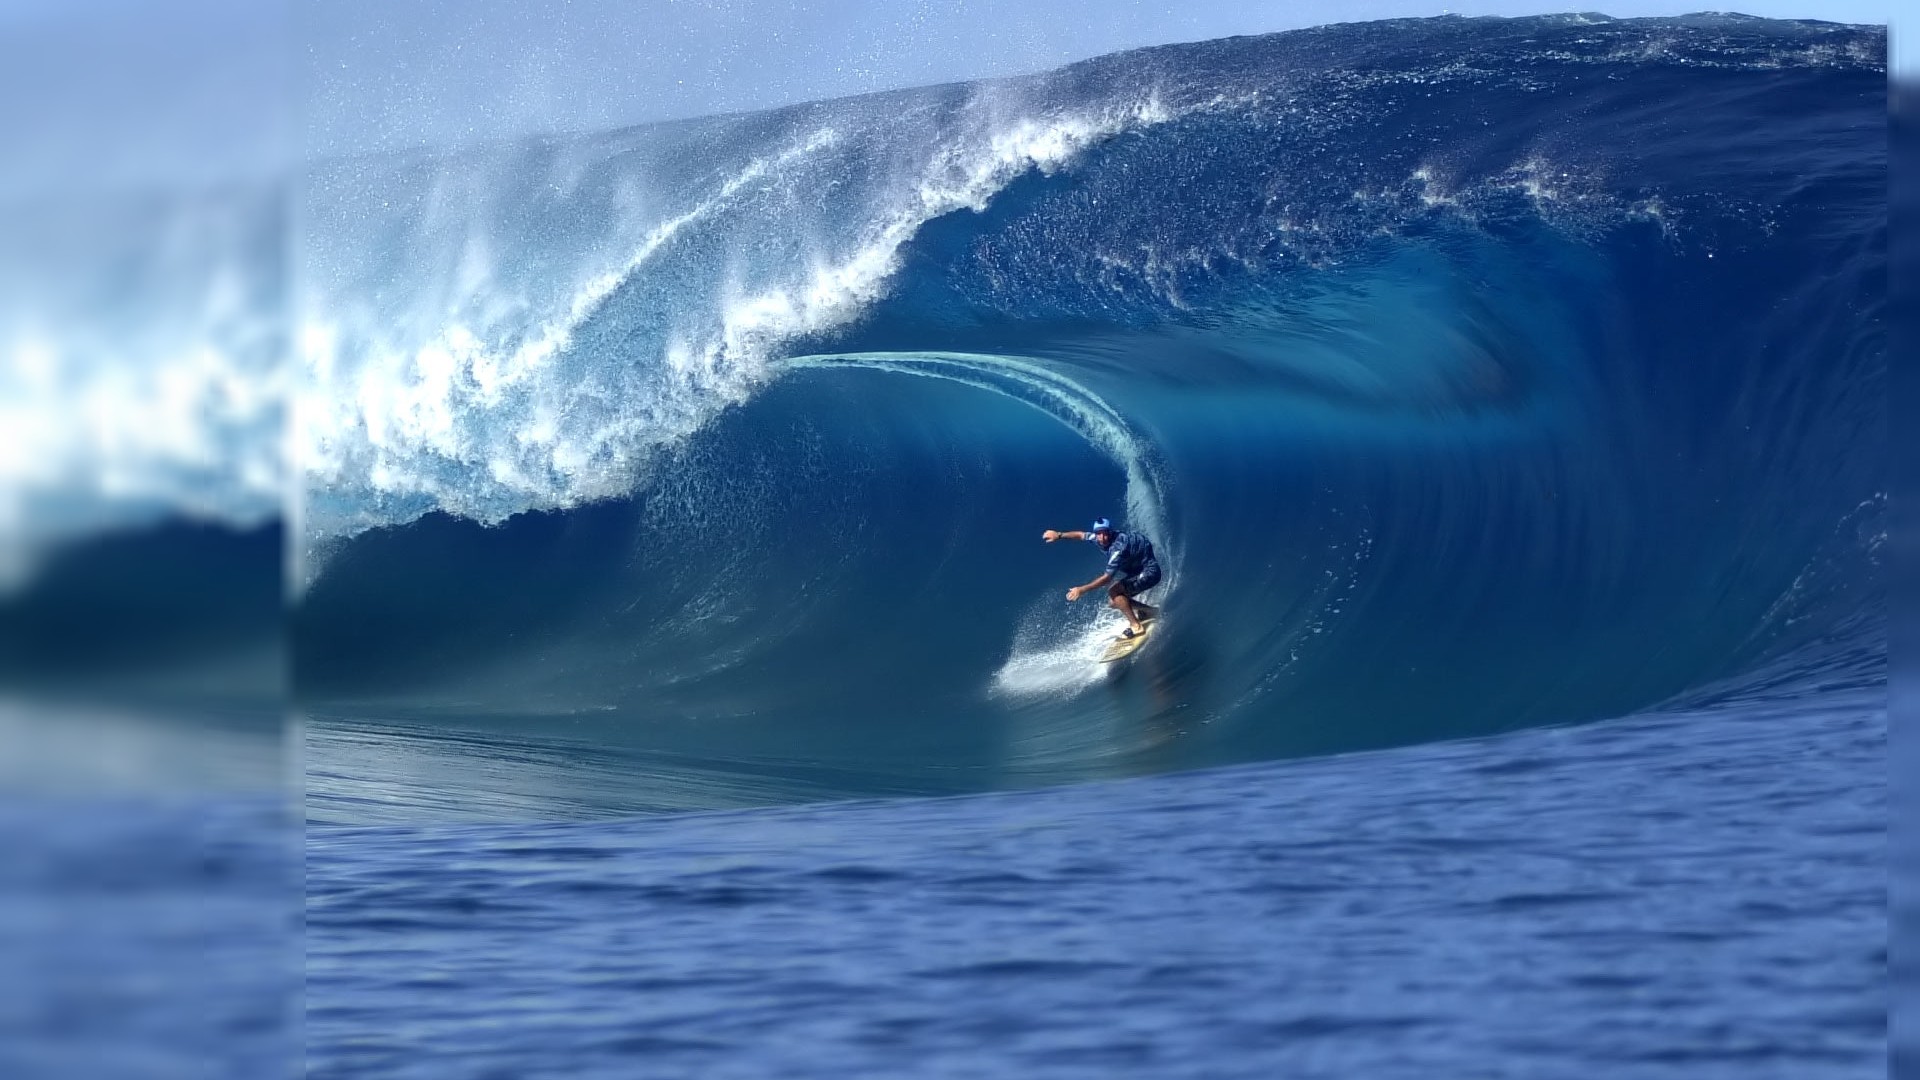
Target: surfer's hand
{"x":1073,"y":594}
{"x":1050,"y":535}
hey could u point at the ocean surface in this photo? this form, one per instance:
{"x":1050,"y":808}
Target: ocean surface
{"x":683,"y":688}
{"x":1687,"y":893}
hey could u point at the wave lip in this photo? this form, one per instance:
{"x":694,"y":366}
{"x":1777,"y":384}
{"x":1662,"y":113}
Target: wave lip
{"x":488,"y":405}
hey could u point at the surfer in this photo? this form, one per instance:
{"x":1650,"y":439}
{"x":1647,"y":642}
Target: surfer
{"x":1131,"y":569}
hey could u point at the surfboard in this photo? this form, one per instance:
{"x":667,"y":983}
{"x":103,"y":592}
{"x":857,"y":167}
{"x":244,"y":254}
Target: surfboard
{"x":1121,"y":648}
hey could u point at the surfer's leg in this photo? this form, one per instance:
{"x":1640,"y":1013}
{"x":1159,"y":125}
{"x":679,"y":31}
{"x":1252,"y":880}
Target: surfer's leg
{"x":1117,"y":596}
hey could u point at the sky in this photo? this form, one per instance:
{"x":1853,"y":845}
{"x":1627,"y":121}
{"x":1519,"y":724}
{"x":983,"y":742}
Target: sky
{"x":117,"y":93}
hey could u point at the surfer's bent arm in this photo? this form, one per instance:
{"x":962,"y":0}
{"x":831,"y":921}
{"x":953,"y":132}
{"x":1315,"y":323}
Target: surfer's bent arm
{"x":1083,"y":590}
{"x":1055,"y":534}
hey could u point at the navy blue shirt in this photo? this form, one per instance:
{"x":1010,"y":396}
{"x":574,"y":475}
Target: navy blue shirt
{"x":1129,"y":556}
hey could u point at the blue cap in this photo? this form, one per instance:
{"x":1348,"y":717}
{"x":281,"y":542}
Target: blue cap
{"x":1103,"y":525}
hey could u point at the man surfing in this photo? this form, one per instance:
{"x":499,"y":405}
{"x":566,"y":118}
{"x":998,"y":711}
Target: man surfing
{"x":1131,"y":570}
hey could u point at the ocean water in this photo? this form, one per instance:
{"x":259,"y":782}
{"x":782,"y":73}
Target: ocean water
{"x":1698,"y":893}
{"x":685,"y":690}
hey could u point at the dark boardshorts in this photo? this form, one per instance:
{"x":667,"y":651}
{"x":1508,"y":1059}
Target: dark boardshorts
{"x":1147,"y":578}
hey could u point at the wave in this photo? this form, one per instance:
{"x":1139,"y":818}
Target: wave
{"x":467,"y":396}
{"x":1468,"y":380}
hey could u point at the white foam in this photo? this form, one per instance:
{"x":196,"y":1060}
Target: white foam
{"x":1058,"y":660}
{"x":474,"y":418}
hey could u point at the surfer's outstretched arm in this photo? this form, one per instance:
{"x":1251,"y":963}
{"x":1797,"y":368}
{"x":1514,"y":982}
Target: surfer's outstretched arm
{"x":1055,"y":534}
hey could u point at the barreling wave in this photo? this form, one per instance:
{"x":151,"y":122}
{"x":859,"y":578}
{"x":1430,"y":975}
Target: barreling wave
{"x":1471,"y":373}
{"x":494,"y":383}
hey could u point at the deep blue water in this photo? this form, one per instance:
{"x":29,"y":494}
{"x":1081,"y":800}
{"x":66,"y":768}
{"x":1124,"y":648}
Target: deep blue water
{"x":1507,"y":401}
{"x":1696,"y":893}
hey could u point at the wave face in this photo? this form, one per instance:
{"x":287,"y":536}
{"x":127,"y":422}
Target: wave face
{"x":1469,"y":374}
